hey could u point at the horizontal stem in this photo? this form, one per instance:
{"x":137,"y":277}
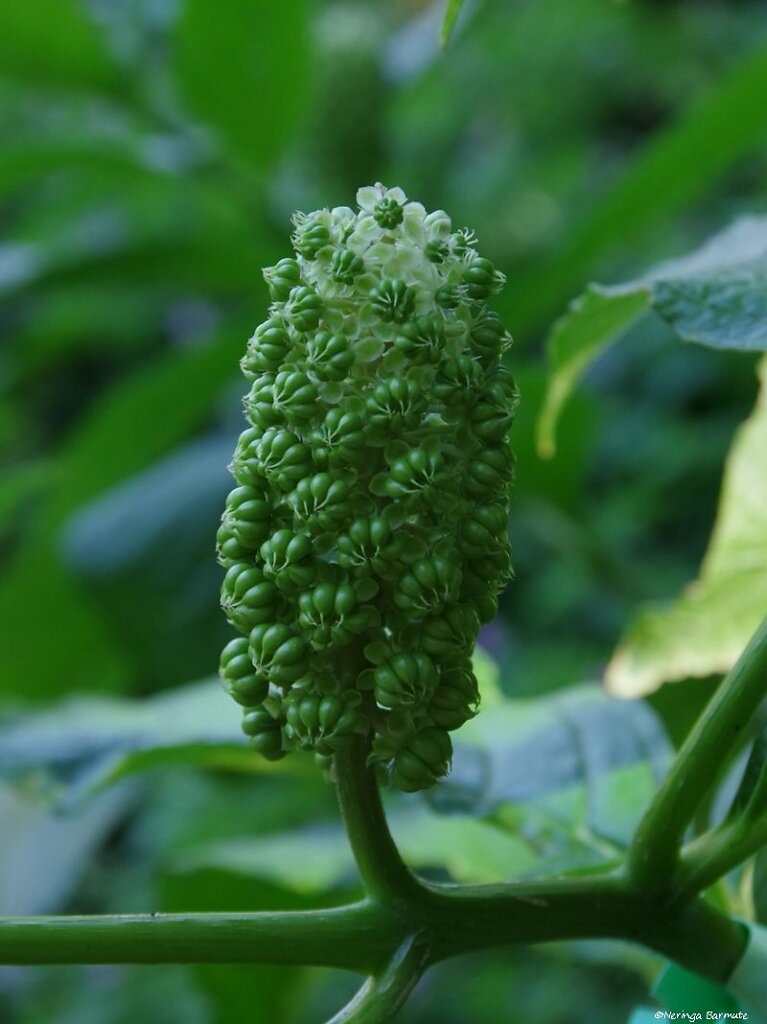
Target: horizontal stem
{"x":357,"y":937}
{"x":654,"y":854}
{"x":607,"y":907}
{"x":364,"y":936}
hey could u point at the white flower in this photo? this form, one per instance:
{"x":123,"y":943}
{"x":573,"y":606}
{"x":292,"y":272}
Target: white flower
{"x":438,"y":226}
{"x":370,"y":196}
{"x":342,"y":220}
{"x":366,"y":233}
{"x":413,"y":223}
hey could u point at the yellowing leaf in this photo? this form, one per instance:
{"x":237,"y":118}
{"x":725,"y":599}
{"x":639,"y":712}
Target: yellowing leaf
{"x":704,"y":631}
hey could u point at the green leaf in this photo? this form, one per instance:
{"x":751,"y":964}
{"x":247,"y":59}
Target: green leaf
{"x":677,"y":987}
{"x":43,"y":856}
{"x":127,"y":228}
{"x":75,"y":749}
{"x":451,"y":16}
{"x":678,"y":166}
{"x":318,"y":858}
{"x":570,"y":772}
{"x":144,"y":416}
{"x":53,"y":42}
{"x":19,"y":486}
{"x":147,"y":541}
{"x":133,"y":424}
{"x":716,"y":296}
{"x":595,"y":320}
{"x":242,"y":68}
{"x":704,"y":631}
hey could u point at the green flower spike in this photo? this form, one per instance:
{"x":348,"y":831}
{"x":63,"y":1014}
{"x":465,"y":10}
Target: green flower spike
{"x":366,"y":538}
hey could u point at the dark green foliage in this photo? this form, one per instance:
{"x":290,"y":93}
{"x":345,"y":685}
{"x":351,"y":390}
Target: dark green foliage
{"x":152,"y":155}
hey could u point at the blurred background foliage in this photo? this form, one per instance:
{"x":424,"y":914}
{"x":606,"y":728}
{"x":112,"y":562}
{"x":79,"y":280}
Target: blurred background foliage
{"x":153,"y":151}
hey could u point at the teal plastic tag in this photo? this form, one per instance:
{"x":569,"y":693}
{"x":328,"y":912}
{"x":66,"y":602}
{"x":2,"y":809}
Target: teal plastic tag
{"x":643,"y":1016}
{"x":684,"y":992}
{"x":686,"y":996}
{"x":748,"y":981}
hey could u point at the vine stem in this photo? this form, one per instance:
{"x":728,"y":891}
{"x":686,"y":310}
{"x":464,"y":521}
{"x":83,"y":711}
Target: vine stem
{"x":654,"y":855}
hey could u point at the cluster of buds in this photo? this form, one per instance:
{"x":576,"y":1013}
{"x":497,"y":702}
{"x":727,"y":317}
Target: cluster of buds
{"x":366,"y":539}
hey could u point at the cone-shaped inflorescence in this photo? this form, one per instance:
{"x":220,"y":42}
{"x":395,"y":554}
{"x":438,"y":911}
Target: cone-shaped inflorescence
{"x":366,"y":538}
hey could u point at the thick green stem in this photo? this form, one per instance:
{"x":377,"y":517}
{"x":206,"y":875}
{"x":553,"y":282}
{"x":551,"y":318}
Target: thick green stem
{"x":474,"y":918}
{"x":447,"y":922}
{"x":654,"y":854}
{"x":358,"y":937}
{"x":383,"y":872}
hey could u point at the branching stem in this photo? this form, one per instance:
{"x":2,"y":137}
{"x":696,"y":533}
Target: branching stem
{"x":714,"y":855}
{"x":381,"y":996}
{"x":653,"y":859}
{"x":404,"y":925}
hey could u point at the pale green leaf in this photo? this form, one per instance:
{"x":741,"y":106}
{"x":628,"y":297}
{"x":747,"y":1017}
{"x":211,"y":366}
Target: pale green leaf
{"x":716,"y":296}
{"x":43,"y":855}
{"x":704,"y":631}
{"x":570,"y":772}
{"x":594,"y":321}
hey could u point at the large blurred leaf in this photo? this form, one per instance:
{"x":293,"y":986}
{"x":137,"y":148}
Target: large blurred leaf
{"x":716,"y":296}
{"x":53,"y":639}
{"x":678,"y":166}
{"x":53,"y":41}
{"x":705,"y":630}
{"x":71,"y":750}
{"x":44,"y":856}
{"x":242,"y":67}
{"x":559,"y":782}
{"x":144,"y":416}
{"x":71,"y":320}
{"x":145,"y":550}
{"x":19,"y":485}
{"x":77,"y":748}
{"x":570,"y":773}
{"x":95,"y":149}
{"x":123,"y":227}
{"x":319,"y":858}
